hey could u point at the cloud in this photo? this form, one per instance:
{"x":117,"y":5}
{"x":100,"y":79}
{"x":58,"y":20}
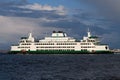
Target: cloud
{"x":59,"y":10}
{"x":12,"y":28}
{"x":32,"y":11}
{"x":18,"y":19}
{"x":5,"y":3}
{"x":109,"y":8}
{"x":112,"y":39}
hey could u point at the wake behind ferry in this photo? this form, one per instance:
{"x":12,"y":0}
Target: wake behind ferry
{"x":60,"y":43}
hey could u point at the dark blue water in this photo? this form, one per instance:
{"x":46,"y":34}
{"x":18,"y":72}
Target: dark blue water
{"x":59,"y":67}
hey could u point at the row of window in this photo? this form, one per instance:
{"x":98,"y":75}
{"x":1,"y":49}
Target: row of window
{"x":25,"y":41}
{"x":83,"y":49}
{"x":66,"y":44}
{"x":58,"y":47}
{"x":26,"y":44}
{"x":88,"y":40}
{"x":45,"y":44}
{"x":50,"y":47}
{"x":87,"y":46}
{"x":57,"y":44}
{"x":85,"y":43}
{"x":91,"y":40}
{"x":22,"y":41}
{"x":23,"y":47}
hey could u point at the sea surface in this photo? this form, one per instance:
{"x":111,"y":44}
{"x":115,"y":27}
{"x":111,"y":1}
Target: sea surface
{"x":60,"y":67}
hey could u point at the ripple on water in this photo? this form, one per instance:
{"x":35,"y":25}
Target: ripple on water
{"x":59,"y":67}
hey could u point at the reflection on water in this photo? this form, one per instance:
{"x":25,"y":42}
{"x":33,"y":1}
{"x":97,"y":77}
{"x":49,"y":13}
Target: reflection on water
{"x":60,"y":67}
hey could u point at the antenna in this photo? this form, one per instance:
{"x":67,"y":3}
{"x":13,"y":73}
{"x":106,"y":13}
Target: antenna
{"x":89,"y":34}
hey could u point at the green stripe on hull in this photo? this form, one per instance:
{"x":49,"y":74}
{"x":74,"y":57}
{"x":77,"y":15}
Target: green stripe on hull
{"x":59,"y":52}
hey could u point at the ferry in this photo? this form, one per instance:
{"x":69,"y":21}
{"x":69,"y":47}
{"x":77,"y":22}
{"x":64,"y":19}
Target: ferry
{"x":60,"y":43}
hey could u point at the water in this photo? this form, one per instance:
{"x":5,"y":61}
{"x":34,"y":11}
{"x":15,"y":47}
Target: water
{"x":59,"y":67}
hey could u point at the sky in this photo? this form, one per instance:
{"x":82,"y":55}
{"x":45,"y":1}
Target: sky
{"x":41,"y":17}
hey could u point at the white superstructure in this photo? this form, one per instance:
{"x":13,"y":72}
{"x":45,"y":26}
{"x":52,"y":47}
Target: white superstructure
{"x":60,"y":41}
